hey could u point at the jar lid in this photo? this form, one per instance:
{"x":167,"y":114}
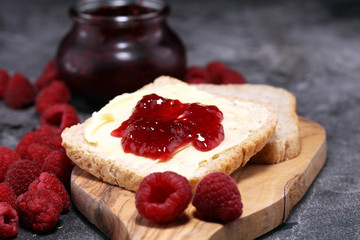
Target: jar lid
{"x":84,"y":10}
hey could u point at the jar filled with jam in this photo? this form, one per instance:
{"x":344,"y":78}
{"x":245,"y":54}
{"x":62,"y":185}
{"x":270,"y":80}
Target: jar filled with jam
{"x":117,"y":46}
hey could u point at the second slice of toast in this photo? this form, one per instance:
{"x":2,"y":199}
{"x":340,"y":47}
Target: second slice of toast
{"x":285,"y":143}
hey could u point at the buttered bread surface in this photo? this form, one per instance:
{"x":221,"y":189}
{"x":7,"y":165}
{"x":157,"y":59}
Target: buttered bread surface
{"x":247,"y":128}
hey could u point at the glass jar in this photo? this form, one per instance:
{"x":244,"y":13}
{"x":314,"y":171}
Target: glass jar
{"x":117,"y":46}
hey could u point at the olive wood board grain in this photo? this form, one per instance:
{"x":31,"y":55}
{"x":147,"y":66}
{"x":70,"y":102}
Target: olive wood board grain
{"x":268,"y":192}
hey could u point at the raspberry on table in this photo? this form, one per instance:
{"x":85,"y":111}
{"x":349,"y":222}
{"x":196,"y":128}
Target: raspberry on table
{"x":49,"y":74}
{"x":58,"y":163}
{"x":56,"y":92}
{"x":45,"y":135}
{"x":163,"y":197}
{"x":22,"y":147}
{"x":4,"y":78}
{"x":19,"y":92}
{"x":39,"y":209}
{"x":197,"y":73}
{"x":57,"y":143}
{"x":214,"y":68}
{"x":196,"y":81}
{"x":38,"y":152}
{"x":7,"y":158}
{"x":217,"y":197}
{"x":9,"y":221}
{"x":50,"y":66}
{"x":229,"y":76}
{"x":7,"y":194}
{"x":49,"y":136}
{"x":45,"y":79}
{"x":47,"y":132}
{"x":50,"y":182}
{"x":60,"y":115}
{"x":21,"y":174}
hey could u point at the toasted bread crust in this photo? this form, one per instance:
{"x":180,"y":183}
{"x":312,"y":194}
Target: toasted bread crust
{"x":87,"y":157}
{"x":285,"y":143}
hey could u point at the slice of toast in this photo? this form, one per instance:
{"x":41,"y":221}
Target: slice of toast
{"x":285,"y":143}
{"x":247,"y":125}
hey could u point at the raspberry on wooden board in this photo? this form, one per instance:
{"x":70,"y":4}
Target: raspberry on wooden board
{"x":163,"y":197}
{"x":217,"y":197}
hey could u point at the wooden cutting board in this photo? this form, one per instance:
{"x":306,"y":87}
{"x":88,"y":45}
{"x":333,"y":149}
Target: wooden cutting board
{"x":268,"y":192}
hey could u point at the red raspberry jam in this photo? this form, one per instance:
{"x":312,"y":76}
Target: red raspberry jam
{"x":118,"y":46}
{"x":158,"y":127}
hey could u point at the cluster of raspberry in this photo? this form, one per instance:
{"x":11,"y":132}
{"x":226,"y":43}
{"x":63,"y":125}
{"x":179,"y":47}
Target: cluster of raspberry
{"x":162,"y":197}
{"x":215,"y":72}
{"x":35,"y":175}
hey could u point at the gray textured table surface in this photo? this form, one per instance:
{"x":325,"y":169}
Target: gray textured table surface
{"x":303,"y":46}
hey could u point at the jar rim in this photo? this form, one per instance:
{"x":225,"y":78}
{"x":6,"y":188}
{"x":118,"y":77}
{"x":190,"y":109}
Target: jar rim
{"x":77,"y":10}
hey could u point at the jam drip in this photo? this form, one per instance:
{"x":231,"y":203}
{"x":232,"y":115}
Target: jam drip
{"x":158,"y":127}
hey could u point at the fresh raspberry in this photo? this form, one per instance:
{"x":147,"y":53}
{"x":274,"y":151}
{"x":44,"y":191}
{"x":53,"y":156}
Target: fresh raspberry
{"x":49,"y":136}
{"x":60,"y":115}
{"x":163,"y":197}
{"x":4,"y":78}
{"x":45,"y":79}
{"x":9,"y":221}
{"x":56,"y":92}
{"x":47,"y":131}
{"x":21,"y":174}
{"x":19,"y":92}
{"x":59,"y":164}
{"x":7,"y":158}
{"x":214,"y":66}
{"x":217,"y":197}
{"x":214,"y":69}
{"x":196,"y":81}
{"x":50,"y":182}
{"x":22,"y":146}
{"x":198,"y":73}
{"x":7,"y":194}
{"x":50,"y":66}
{"x":39,"y":209}
{"x":229,"y":76}
{"x":45,"y":135}
{"x":38,"y":152}
{"x":57,"y":143}
{"x":49,"y":74}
